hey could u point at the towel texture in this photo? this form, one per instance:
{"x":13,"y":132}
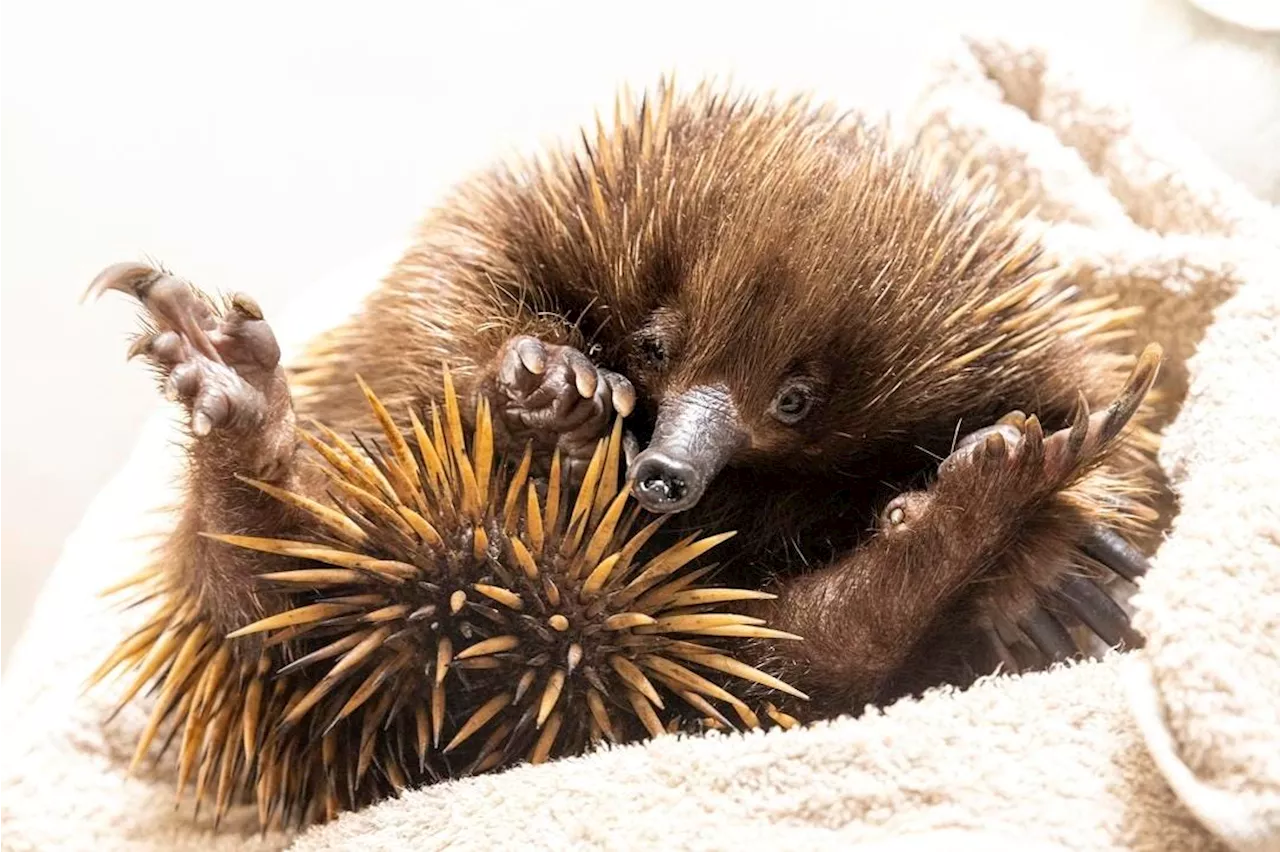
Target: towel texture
{"x":1174,"y":747}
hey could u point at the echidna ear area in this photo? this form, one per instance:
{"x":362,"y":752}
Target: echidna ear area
{"x":446,"y":616}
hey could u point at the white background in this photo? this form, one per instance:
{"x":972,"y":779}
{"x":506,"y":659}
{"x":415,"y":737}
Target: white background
{"x":258,"y":146}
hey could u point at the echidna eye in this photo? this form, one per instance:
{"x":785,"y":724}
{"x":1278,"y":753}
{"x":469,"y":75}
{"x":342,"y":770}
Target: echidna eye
{"x":792,"y":404}
{"x":652,"y":350}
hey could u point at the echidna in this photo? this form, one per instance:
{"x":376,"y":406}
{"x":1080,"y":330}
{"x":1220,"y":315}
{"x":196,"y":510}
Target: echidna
{"x":798,"y":321}
{"x":447,"y":617}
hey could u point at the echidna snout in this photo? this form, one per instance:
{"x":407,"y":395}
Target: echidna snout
{"x":696,"y":434}
{"x":664,"y":484}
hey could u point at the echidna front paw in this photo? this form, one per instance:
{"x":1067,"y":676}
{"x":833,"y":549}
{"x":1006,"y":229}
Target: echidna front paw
{"x":223,"y":366}
{"x":554,"y":395}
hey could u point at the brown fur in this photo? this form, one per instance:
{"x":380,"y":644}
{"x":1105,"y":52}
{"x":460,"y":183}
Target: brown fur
{"x":751,"y":241}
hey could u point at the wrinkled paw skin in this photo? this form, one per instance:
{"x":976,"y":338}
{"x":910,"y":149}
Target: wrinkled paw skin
{"x":222,"y":366}
{"x":555,"y":396}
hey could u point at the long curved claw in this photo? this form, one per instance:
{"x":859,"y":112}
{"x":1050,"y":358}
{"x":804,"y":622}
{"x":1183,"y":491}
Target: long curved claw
{"x":1011,"y":645}
{"x":1110,"y":548}
{"x":1099,"y":612}
{"x":171,"y":302}
{"x":1027,"y":656}
{"x":129,"y":278}
{"x":1001,"y":652}
{"x":1135,"y":390}
{"x":1048,"y":634}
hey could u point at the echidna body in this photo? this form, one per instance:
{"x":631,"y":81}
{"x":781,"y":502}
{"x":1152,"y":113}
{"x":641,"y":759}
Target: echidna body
{"x":446,"y":616}
{"x":797,"y":320}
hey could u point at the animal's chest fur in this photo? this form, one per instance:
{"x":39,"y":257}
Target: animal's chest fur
{"x":781,"y":529}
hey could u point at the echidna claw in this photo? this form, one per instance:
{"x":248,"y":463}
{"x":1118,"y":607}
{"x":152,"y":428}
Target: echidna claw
{"x":1014,"y":418}
{"x":130,"y":278}
{"x":1048,"y":634}
{"x":1003,"y":655}
{"x":1110,"y":548}
{"x":1135,"y":391}
{"x":173,"y":303}
{"x":1004,"y":434}
{"x":1079,"y":427}
{"x":1097,"y":611}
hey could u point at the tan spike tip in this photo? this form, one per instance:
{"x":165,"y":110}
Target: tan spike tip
{"x":495,"y":645}
{"x":550,"y":695}
{"x":478,"y":720}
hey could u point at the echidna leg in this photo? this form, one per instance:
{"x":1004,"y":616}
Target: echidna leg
{"x":1036,"y":597}
{"x":222,"y":366}
{"x":995,"y":513}
{"x":555,"y":396}
{"x":1039,"y":610}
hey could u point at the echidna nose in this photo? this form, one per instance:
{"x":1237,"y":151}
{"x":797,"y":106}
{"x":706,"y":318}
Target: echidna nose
{"x":664,"y":484}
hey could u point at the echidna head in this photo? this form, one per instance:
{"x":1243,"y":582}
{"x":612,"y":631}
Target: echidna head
{"x":787,"y":288}
{"x":765,"y":400}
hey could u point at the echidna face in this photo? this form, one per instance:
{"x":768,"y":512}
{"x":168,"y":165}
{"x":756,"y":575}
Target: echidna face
{"x":761,"y":402}
{"x":450,"y":617}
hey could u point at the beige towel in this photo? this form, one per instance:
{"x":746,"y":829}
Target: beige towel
{"x":1175,"y":747}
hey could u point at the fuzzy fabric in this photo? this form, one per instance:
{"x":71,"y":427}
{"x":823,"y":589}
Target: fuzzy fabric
{"x":1173,"y":747}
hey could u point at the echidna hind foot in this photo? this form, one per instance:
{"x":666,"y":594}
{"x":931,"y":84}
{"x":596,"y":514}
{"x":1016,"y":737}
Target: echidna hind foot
{"x":450,"y":615}
{"x":222,"y":363}
{"x":1064,"y":510}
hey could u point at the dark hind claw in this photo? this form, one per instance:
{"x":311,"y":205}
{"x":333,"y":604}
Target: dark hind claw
{"x":223,"y":366}
{"x":1010,"y":645}
{"x":1048,"y":634}
{"x":1110,"y":548}
{"x":1027,"y":656}
{"x":1099,"y":612}
{"x":1002,"y":653}
{"x":555,"y":395}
